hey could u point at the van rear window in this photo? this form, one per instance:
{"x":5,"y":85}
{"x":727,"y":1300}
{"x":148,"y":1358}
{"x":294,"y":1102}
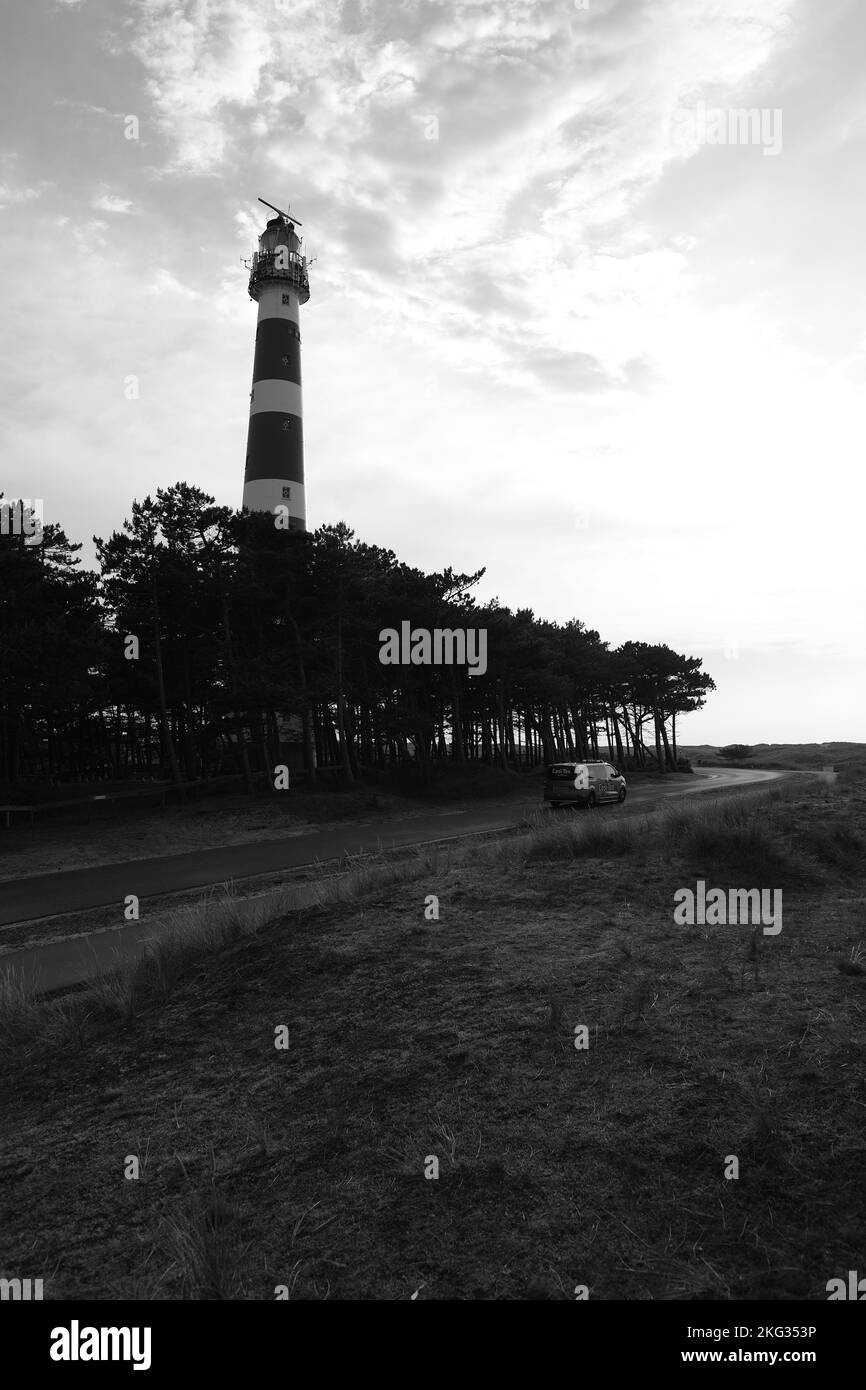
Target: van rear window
{"x":562,"y":770}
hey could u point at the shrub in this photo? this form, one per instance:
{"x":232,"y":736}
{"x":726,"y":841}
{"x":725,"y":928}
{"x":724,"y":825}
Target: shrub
{"x":736,"y":834}
{"x":592,"y":838}
{"x":838,"y":845}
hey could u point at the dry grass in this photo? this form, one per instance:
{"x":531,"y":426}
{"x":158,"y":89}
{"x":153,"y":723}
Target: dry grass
{"x":20,"y":1015}
{"x":184,"y":938}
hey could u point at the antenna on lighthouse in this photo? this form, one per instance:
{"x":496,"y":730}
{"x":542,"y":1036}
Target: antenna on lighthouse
{"x":289,"y":216}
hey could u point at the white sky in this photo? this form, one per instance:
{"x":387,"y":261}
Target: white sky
{"x":567,"y":339}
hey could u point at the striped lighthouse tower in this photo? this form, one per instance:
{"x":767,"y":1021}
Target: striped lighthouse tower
{"x":274,"y":475}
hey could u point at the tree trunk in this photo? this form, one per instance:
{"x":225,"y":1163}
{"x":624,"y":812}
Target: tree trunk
{"x":659,"y":757}
{"x":669,"y":757}
{"x":306,"y":710}
{"x":345,"y":762}
{"x":615,"y":722}
{"x":168,"y":742}
{"x":458,"y":752}
{"x":233,"y":683}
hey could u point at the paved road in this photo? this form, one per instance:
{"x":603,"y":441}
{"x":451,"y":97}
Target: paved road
{"x":60,"y":963}
{"x":48,"y":895}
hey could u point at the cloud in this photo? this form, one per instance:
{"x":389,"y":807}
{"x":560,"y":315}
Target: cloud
{"x":164,"y":282}
{"x":470,"y":172}
{"x":203,"y":61}
{"x":11,"y":196}
{"x":110,"y":202}
{"x":580,"y":372}
{"x":89,"y":107}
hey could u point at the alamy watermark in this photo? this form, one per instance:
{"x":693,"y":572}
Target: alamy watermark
{"x":77,"y":1343}
{"x":444,"y":646}
{"x":22,"y":516}
{"x":728,"y":125}
{"x":737,"y":907}
{"x":855,"y":1288}
{"x":21,"y":1290}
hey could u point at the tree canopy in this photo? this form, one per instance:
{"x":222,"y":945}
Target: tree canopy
{"x":210,"y":641}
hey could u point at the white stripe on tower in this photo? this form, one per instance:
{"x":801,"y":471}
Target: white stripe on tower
{"x":258,"y":496}
{"x":271,"y":394}
{"x":273,"y":303}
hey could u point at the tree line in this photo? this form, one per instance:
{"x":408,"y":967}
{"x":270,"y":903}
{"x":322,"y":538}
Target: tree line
{"x":212,"y":642}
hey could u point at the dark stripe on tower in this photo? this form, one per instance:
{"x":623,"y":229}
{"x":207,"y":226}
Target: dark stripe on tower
{"x":278,"y":352}
{"x":275,"y":447}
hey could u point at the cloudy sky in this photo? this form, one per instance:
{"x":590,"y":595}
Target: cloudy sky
{"x":572,"y":318}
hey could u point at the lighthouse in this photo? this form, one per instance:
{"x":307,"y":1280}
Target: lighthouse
{"x":274,"y":474}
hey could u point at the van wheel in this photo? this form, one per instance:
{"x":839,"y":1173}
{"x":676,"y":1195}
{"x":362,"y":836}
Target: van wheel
{"x":621,"y":797}
{"x":591,"y":802}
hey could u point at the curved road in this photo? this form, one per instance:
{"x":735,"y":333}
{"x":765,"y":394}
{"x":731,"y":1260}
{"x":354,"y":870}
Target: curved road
{"x":59,"y":963}
{"x":48,"y":895}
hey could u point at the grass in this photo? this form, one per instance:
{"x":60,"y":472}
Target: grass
{"x":302,"y":1170}
{"x":590,"y":837}
{"x":20,"y":1015}
{"x":185,"y":938}
{"x":745,"y":834}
